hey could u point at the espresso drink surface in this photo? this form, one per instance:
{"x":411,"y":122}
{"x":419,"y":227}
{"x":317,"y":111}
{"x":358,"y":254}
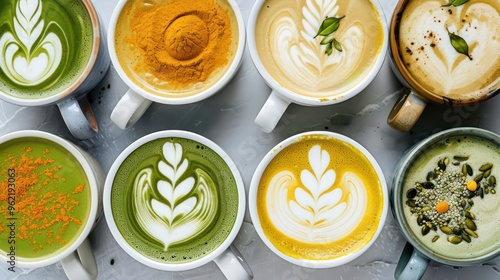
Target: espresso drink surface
{"x":44,"y":199}
{"x":284,"y":36}
{"x":176,"y":48}
{"x":45,"y":46}
{"x":431,"y":59}
{"x":451,"y":187}
{"x":174,"y":200}
{"x":319,"y":199}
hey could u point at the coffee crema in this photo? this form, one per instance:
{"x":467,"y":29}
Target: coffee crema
{"x":319,"y":199}
{"x":45,"y":199}
{"x":45,"y":46}
{"x":284,"y":35}
{"x":174,"y":200}
{"x":426,"y":50}
{"x":176,"y":48}
{"x":486,"y":210}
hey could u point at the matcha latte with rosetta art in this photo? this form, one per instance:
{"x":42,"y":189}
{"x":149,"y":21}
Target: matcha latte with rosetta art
{"x":45,"y":46}
{"x":174,"y":200}
{"x":319,"y":49}
{"x":319,"y":199}
{"x":45,"y":192}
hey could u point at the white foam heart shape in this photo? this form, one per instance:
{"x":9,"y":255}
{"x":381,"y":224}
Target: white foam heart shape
{"x":23,"y":62}
{"x":446,"y":70}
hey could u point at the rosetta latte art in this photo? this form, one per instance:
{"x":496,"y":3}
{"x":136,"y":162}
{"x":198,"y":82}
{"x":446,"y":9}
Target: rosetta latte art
{"x":318,"y":211}
{"x":300,"y":55}
{"x":179,"y":206}
{"x":30,"y":54}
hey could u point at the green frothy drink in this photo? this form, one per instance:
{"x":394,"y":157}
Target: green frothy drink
{"x":174,"y":200}
{"x":44,"y":198}
{"x":45,"y":46}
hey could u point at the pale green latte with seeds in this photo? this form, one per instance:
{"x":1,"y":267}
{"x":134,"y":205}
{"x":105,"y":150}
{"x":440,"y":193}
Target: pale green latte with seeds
{"x":174,"y":200}
{"x":45,"y":46}
{"x":467,"y":228}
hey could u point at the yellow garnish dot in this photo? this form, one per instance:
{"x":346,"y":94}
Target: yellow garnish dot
{"x":442,"y":207}
{"x":472,"y":185}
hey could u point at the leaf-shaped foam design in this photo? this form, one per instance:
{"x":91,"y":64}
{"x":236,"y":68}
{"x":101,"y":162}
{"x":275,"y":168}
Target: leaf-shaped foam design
{"x":186,"y":204}
{"x":302,"y":58}
{"x":27,"y":58}
{"x":319,"y":212}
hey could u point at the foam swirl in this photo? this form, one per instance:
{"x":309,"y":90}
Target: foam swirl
{"x":300,"y":56}
{"x":30,"y":54}
{"x":432,"y":59}
{"x":315,"y":210}
{"x":180,"y":206}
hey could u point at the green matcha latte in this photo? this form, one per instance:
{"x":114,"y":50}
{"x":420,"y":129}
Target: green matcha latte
{"x":45,"y":199}
{"x":45,"y":46}
{"x":174,"y":200}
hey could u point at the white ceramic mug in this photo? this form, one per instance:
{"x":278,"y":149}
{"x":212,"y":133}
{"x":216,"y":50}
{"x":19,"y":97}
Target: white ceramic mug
{"x":226,"y":256}
{"x":282,"y":97}
{"x":286,"y":185}
{"x":77,"y":260}
{"x":72,"y":101}
{"x":137,"y":100}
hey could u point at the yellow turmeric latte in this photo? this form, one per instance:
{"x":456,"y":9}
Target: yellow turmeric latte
{"x":44,"y":199}
{"x":176,"y":48}
{"x":319,"y":199}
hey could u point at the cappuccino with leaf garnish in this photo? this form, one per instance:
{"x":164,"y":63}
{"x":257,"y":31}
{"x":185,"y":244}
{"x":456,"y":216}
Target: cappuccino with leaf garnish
{"x":318,"y":199}
{"x":174,"y":200}
{"x":449,"y":47}
{"x":450,"y":198}
{"x":319,"y":49}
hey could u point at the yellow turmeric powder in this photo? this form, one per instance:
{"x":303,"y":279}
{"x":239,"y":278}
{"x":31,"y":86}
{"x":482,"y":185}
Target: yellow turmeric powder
{"x":181,"y":42}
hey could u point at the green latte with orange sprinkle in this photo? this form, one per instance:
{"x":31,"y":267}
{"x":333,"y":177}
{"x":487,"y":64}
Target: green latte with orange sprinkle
{"x":44,"y":198}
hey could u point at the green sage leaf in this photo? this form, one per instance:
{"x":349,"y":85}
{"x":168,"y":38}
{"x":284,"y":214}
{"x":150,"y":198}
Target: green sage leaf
{"x":337,"y":45}
{"x":459,"y":44}
{"x":456,"y":3}
{"x":327,"y":40}
{"x":329,"y":26}
{"x":329,"y":49}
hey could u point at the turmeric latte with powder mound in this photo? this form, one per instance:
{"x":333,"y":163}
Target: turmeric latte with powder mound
{"x":45,"y":199}
{"x":176,"y":48}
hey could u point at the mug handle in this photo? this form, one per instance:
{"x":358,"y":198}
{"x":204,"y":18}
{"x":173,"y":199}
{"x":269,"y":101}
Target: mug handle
{"x":129,"y":109}
{"x":406,"y":111}
{"x":233,"y":266}
{"x":411,"y":265}
{"x":271,"y":113}
{"x":79,"y":117}
{"x":81,"y":264}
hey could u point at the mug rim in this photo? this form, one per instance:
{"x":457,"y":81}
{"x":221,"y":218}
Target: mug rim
{"x":52,"y":99}
{"x":94,"y":193}
{"x":254,"y":185}
{"x":297,"y":98}
{"x":396,"y":196}
{"x":108,"y":186}
{"x":213,"y":89}
{"x":397,"y":61}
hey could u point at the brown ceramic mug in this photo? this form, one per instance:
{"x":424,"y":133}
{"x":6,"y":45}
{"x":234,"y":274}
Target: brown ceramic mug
{"x":443,"y":54}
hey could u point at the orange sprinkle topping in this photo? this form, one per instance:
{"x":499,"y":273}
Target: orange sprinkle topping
{"x":38,"y":208}
{"x":472,"y":185}
{"x":442,"y":207}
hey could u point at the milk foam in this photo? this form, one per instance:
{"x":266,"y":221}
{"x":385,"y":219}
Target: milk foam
{"x":312,"y":210}
{"x":300,"y":60}
{"x":431,"y":58}
{"x":24,"y":62}
{"x":186,"y":205}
